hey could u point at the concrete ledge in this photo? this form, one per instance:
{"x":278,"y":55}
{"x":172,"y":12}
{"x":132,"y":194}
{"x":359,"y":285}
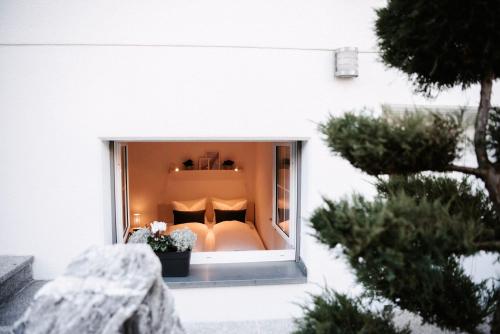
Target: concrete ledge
{"x":239,"y":274}
{"x":15,"y":273}
{"x":282,"y":326}
{"x":14,"y":307}
{"x":10,"y":265}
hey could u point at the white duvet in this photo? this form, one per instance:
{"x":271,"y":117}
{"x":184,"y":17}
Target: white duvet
{"x":233,"y":235}
{"x":229,"y":235}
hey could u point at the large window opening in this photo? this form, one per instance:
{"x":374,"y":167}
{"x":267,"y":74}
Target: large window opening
{"x":240,"y":198}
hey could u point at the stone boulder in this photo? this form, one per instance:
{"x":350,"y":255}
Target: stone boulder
{"x":108,"y":289}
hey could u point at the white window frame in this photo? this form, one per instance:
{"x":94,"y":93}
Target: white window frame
{"x":224,"y":256}
{"x":291,"y":238}
{"x":121,"y":233}
{"x":267,"y":255}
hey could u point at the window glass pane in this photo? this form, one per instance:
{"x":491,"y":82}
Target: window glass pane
{"x":283,"y":188}
{"x":124,"y":179}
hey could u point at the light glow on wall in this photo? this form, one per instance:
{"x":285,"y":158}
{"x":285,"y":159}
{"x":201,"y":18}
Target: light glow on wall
{"x":137,"y":219}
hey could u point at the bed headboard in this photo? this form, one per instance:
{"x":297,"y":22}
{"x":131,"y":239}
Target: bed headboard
{"x":166,"y":212}
{"x":190,"y":185}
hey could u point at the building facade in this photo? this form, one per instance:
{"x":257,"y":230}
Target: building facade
{"x":77,"y":75}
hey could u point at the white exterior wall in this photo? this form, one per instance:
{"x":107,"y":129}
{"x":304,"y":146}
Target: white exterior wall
{"x":58,"y":103}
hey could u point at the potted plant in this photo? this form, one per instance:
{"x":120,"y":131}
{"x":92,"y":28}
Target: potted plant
{"x":228,"y":164}
{"x":140,"y":236}
{"x":188,"y":164}
{"x":173,"y":250}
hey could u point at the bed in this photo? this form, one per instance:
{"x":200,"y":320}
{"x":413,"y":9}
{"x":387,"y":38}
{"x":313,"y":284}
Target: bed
{"x":227,"y":235}
{"x":236,"y":236}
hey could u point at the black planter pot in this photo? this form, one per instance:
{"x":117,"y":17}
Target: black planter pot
{"x":174,"y":264}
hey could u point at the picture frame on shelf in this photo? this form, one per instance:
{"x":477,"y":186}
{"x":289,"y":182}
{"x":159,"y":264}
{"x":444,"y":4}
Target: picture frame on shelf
{"x":214,"y":160}
{"x":203,"y":163}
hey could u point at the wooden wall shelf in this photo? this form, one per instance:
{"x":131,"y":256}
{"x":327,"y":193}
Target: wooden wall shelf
{"x":203,"y":174}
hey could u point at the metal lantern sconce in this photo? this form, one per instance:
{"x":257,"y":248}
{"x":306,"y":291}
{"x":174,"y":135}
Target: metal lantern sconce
{"x":346,"y":62}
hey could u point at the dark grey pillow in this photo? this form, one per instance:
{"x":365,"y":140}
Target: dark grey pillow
{"x":182,"y":217}
{"x":223,"y":215}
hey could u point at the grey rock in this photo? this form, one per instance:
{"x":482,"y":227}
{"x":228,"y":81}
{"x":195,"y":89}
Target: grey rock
{"x":107,"y":289}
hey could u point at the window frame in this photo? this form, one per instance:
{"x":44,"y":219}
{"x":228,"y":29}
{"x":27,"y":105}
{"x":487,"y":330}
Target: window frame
{"x":293,"y":240}
{"x":120,"y":152}
{"x":293,"y":198}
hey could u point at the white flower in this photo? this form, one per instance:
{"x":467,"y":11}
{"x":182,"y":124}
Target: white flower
{"x":183,"y":239}
{"x":140,"y":236}
{"x":158,"y":226}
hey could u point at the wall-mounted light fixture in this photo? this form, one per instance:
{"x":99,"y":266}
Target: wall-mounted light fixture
{"x":346,"y":62}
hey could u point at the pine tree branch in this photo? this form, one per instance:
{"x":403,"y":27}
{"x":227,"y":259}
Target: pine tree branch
{"x":466,"y":170}
{"x":489,"y":246}
{"x":482,"y":122}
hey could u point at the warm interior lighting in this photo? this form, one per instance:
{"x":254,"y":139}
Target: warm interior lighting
{"x":137,"y":219}
{"x":176,"y":169}
{"x":236,"y":169}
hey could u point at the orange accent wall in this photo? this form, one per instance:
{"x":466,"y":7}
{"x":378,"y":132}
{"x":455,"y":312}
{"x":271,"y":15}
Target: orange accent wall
{"x":153,"y":185}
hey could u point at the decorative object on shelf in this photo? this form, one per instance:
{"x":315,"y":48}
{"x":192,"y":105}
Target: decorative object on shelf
{"x":174,"y":251}
{"x":204,"y":163}
{"x":214,"y":159}
{"x":228,"y":164}
{"x":188,"y":164}
{"x":209,"y":161}
{"x":346,"y":63}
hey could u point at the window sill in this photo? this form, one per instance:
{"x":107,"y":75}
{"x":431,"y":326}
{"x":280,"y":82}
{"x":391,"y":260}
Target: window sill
{"x":240,"y":274}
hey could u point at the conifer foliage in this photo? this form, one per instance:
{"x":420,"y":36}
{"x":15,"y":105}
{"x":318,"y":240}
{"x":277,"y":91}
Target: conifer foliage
{"x":405,"y":245}
{"x":334,"y":313}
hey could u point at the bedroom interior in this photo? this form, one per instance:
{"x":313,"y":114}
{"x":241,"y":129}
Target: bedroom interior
{"x":236,"y":196}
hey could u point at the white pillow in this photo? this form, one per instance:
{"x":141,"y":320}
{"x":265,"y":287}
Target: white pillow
{"x":229,"y":204}
{"x":194,"y":205}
